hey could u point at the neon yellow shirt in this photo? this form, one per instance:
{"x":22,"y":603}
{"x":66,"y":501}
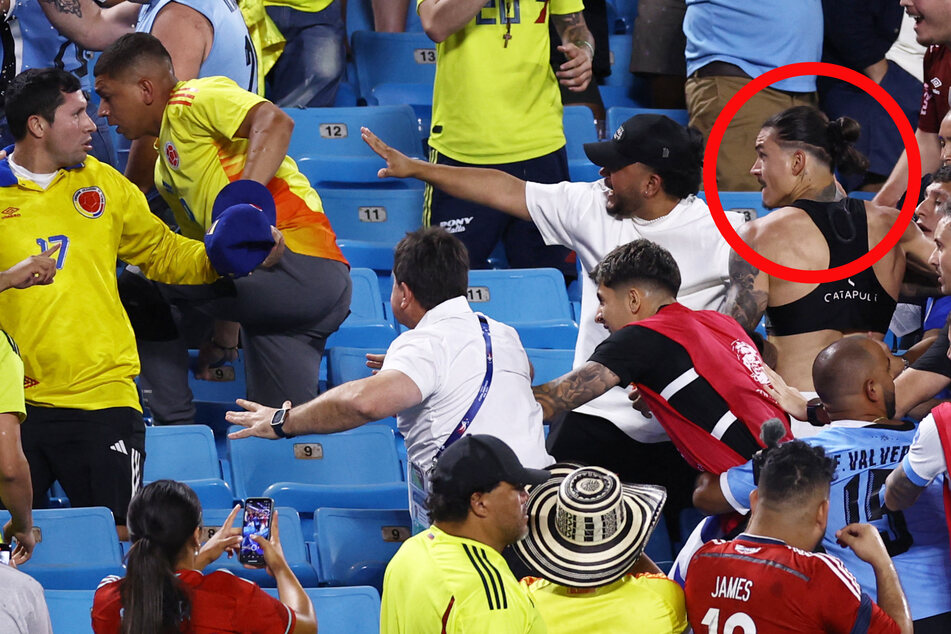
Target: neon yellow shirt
{"x":440,"y":583}
{"x":309,"y":6}
{"x":199,"y":154}
{"x":494,"y":103}
{"x":11,"y":378}
{"x":77,"y":343}
{"x":646,"y":603}
{"x":265,"y":36}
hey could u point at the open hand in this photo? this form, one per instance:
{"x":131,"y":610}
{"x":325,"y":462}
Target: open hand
{"x":257,"y":419}
{"x":398,"y":165}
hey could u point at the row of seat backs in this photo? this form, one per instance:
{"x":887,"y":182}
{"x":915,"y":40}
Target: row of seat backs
{"x":353,"y":610}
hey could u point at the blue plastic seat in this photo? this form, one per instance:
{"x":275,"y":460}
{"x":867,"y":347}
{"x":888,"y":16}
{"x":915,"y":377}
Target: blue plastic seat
{"x":749,"y":204}
{"x":353,"y":546}
{"x":620,"y":60}
{"x":229,"y":382}
{"x":349,"y":364}
{"x":365,"y":455}
{"x":187,"y":453}
{"x":618,"y":115}
{"x":418,"y":96}
{"x":658,"y":547}
{"x":353,"y":610}
{"x":292,"y":543}
{"x":328,"y":149}
{"x":373,"y":215}
{"x":624,"y":96}
{"x":407,"y":58}
{"x":549,"y":364}
{"x":580,"y":129}
{"x":70,"y":610}
{"x":533,"y":301}
{"x":368,"y":324}
{"x":75,"y":549}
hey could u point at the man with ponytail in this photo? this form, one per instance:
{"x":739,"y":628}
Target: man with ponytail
{"x":814,"y":227}
{"x":165,"y":591}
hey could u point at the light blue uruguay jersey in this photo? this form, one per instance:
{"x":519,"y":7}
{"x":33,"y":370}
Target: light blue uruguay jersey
{"x":44,"y":47}
{"x":917,"y":538}
{"x":232,"y":53}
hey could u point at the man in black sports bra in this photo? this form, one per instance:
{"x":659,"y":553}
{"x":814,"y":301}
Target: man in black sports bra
{"x":814,"y":227}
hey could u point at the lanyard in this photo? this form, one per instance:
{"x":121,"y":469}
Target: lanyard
{"x":480,"y":395}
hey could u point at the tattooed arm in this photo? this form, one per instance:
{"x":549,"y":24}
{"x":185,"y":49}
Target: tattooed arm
{"x":577,"y":44}
{"x":575,"y":388}
{"x":748,"y":291}
{"x":900,"y":491}
{"x":90,"y":26}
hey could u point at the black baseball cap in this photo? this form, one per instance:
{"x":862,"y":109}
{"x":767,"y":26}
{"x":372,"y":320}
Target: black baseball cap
{"x":475,"y":462}
{"x":652,"y":139}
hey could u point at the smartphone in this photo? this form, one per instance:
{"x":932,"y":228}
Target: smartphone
{"x":5,"y":554}
{"x":257,"y":521}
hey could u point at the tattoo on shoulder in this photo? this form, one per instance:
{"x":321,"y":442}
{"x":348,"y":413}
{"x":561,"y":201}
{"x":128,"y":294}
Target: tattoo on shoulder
{"x":743,"y":301}
{"x":575,"y":388}
{"x":67,"y":6}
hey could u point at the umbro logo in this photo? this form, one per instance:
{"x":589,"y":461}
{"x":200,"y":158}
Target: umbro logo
{"x":29,"y":382}
{"x":10,"y":212}
{"x":936,"y":82}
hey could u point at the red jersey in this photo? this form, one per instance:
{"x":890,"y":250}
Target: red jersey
{"x":935,"y":98}
{"x":726,"y":358}
{"x":760,"y":584}
{"x":221,"y":602}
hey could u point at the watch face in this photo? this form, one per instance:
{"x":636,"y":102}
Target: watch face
{"x":278,"y":418}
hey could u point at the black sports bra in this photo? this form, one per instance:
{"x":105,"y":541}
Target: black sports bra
{"x":858,"y":302}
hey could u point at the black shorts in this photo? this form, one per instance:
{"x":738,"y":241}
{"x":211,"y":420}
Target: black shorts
{"x":96,"y":455}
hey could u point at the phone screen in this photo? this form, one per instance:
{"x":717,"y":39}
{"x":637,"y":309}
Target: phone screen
{"x":257,"y":521}
{"x":5,"y":554}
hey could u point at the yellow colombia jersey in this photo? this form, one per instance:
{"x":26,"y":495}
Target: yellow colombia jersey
{"x":199,"y":155}
{"x":495,"y":103}
{"x":11,"y":378}
{"x":77,"y":344}
{"x":646,"y":603}
{"x":310,"y":6}
{"x":440,"y":583}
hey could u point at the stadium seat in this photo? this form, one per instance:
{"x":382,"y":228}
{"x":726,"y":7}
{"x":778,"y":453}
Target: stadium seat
{"x":70,"y":610}
{"x":620,"y":59}
{"x":617,"y":116}
{"x":353,"y":610}
{"x":365,"y":455}
{"x":750,"y":204}
{"x":373,"y":215}
{"x":353,"y":546}
{"x":75,"y":549}
{"x":229,"y":382}
{"x":419,"y":96}
{"x":187,"y":453}
{"x":549,"y":364}
{"x":328,"y":149}
{"x":658,"y":547}
{"x":348,"y":364}
{"x":307,"y":497}
{"x":580,"y":129}
{"x":533,"y":301}
{"x":368,"y":324}
{"x":623,"y":96}
{"x":292,"y":543}
{"x":406,"y":58}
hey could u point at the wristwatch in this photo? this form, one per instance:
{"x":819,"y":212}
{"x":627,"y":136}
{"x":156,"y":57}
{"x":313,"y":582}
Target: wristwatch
{"x":816,"y":413}
{"x":278,"y":420}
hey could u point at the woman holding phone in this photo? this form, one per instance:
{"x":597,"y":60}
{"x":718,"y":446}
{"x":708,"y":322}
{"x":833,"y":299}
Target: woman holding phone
{"x":165,"y":591}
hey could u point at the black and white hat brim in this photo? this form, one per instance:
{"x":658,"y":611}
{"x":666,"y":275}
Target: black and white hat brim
{"x":575,"y":565}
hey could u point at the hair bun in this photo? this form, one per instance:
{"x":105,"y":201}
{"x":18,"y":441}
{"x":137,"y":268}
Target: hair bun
{"x":842,"y":134}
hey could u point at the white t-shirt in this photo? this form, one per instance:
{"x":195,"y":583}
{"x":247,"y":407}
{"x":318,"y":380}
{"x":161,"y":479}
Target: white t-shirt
{"x":925,"y":459}
{"x":22,"y":605}
{"x":444,"y":355}
{"x":575,"y":215}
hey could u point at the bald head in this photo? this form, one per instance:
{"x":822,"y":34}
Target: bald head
{"x":846,"y":371}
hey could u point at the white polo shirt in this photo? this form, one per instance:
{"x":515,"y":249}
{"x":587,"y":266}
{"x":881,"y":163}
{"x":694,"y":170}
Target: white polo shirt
{"x":444,"y":355}
{"x":925,"y":458}
{"x":575,"y":215}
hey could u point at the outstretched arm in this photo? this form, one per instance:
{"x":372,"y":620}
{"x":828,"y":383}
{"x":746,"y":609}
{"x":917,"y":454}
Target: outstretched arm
{"x":90,"y":26}
{"x":900,"y":491}
{"x":492,"y":188}
{"x":344,"y":407}
{"x":577,"y":45}
{"x":747,"y":295}
{"x":574,"y":389}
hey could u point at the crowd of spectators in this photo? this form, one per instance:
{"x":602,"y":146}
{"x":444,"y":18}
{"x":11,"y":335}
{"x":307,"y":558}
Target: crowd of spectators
{"x":816,"y":450}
